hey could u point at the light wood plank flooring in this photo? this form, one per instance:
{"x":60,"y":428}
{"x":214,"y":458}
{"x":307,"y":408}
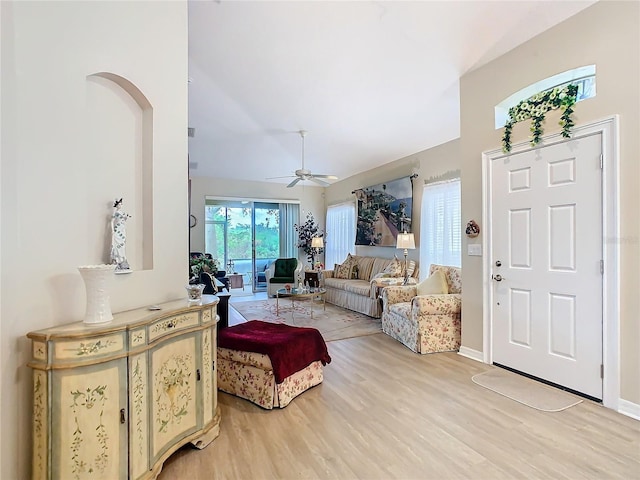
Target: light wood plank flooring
{"x":384,"y":412}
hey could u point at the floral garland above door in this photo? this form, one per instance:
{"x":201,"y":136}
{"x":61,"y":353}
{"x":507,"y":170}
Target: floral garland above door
{"x":536,"y":107}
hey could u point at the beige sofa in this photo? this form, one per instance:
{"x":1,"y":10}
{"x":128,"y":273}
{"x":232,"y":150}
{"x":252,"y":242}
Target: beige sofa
{"x":368,"y":276}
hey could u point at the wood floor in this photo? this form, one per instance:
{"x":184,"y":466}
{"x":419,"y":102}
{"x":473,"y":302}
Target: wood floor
{"x":384,"y":412}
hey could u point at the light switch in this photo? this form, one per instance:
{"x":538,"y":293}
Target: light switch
{"x":474,"y":249}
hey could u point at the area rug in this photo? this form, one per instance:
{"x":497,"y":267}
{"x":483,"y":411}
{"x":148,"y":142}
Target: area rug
{"x":334,"y":323}
{"x":524,"y":390}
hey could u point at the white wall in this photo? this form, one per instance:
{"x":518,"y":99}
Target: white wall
{"x":311,"y":199}
{"x":607,"y":35}
{"x":66,"y":156}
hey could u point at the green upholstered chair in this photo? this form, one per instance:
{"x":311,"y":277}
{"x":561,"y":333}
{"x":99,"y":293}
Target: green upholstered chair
{"x":281,"y":272}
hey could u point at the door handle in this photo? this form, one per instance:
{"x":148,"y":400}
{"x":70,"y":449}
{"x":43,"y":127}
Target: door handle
{"x":497,"y":278}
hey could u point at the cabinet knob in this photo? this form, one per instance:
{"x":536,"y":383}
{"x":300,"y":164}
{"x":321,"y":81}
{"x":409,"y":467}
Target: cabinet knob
{"x":122,"y":417}
{"x":198,"y":374}
{"x":170,"y":325}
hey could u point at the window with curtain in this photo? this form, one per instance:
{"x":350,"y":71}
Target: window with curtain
{"x":341,"y":233}
{"x":440,"y":225}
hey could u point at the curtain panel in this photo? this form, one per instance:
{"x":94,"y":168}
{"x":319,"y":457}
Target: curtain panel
{"x":340,"y":233}
{"x":440,"y":226}
{"x":289,"y":216}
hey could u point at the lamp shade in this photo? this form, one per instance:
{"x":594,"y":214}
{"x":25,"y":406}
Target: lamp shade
{"x":405,"y":240}
{"x":316,"y":242}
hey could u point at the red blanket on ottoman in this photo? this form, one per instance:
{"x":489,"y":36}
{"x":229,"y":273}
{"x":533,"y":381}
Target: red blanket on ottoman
{"x":290,"y":349}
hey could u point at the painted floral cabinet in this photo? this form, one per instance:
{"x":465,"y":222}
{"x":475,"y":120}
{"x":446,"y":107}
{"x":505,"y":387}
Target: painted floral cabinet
{"x":113,"y":401}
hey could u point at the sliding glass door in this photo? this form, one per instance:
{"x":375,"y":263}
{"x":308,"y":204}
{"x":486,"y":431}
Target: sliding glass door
{"x":266,"y":243}
{"x":245,"y":237}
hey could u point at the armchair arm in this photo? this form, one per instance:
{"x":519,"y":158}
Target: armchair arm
{"x":268,"y":273}
{"x":378,"y":282}
{"x":397,"y":294}
{"x":298,"y":273}
{"x":436,"y":304}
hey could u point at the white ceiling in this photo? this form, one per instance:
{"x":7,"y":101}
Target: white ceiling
{"x":371,"y":81}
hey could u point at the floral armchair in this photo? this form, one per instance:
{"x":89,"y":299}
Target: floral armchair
{"x":425,"y":323}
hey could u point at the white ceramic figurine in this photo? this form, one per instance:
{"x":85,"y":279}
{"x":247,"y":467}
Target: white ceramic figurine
{"x":119,"y":236}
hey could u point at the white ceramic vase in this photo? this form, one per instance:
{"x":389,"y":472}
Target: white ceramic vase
{"x":97,"y":279}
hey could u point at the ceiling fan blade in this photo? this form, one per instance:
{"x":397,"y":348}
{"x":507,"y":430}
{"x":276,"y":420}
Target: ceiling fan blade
{"x":330,"y":177}
{"x":286,"y":176}
{"x":319,"y":182}
{"x":292,"y":184}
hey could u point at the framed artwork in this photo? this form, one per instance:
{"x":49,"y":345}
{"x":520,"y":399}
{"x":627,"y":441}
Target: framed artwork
{"x":384,"y":210}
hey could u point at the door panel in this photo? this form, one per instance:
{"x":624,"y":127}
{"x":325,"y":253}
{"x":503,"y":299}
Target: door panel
{"x":546,"y":212}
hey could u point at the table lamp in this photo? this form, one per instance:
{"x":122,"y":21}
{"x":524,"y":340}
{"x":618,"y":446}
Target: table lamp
{"x":406,"y":241}
{"x":316,"y":244}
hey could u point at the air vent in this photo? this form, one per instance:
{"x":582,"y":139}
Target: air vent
{"x":191,"y":132}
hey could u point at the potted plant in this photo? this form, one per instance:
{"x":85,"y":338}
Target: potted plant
{"x":200,"y":264}
{"x":306,"y":231}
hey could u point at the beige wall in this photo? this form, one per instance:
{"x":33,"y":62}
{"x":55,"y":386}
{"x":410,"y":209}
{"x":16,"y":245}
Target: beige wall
{"x":607,"y":35}
{"x":70,"y":145}
{"x":311,"y":199}
{"x":438,"y":163}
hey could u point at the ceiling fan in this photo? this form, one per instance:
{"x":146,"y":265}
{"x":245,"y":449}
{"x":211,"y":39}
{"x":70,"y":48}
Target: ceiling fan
{"x":304,"y":174}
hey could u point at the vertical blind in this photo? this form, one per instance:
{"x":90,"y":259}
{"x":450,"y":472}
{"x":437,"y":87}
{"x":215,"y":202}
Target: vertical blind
{"x":440,"y":225}
{"x":289,"y":216}
{"x":341,"y":233}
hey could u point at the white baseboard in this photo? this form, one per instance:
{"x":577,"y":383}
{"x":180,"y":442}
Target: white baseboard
{"x":629,"y":409}
{"x":471,"y":353}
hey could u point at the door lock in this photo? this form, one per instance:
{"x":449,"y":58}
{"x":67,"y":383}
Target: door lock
{"x":498,"y":263}
{"x":497,"y":278}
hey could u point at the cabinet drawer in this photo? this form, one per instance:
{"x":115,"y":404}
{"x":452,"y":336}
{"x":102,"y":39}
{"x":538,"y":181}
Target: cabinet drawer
{"x":173,"y":324}
{"x":89,"y":348}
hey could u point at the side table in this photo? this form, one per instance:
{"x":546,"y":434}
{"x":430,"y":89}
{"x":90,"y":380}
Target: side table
{"x":312,"y":278}
{"x":236,"y":280}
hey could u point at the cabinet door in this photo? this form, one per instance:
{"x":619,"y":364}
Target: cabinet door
{"x":174,"y":392}
{"x":89,"y":437}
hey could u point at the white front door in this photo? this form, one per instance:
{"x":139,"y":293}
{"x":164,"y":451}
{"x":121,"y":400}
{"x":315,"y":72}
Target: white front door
{"x":546,"y":223}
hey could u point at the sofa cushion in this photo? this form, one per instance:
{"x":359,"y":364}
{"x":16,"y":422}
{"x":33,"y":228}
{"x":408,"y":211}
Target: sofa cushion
{"x":452,"y":274}
{"x":435,"y":284}
{"x":343,"y":271}
{"x":333,"y":282}
{"x":411,"y":268}
{"x":394,"y":268}
{"x":285,"y":267}
{"x":359,"y":287}
{"x":364,"y":267}
{"x":379,"y":264}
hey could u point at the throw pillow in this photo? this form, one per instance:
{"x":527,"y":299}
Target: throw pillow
{"x":411,"y":268}
{"x":344,"y":270}
{"x":394,"y":268}
{"x":435,"y":284}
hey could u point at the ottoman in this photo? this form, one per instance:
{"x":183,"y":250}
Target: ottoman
{"x":270,"y":364}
